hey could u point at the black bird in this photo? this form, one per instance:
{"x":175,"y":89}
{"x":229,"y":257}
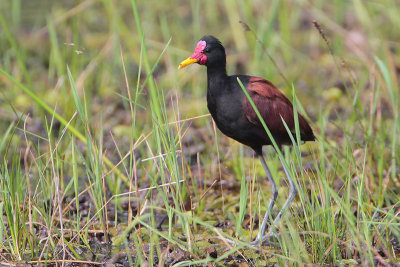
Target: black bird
{"x":236,"y":118}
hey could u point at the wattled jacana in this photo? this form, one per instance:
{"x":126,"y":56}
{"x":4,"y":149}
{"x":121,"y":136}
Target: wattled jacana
{"x":236,"y":118}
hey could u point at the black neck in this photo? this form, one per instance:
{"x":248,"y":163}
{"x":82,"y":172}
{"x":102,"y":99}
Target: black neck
{"x":216,"y":73}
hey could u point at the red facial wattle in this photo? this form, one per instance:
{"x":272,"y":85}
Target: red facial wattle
{"x":197,"y":57}
{"x":198,"y":53}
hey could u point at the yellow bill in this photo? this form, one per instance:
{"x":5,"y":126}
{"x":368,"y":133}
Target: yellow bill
{"x":187,"y":62}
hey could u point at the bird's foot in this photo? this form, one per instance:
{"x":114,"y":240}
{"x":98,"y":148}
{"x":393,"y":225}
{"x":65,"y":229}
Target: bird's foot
{"x":227,"y":240}
{"x":265,"y":240}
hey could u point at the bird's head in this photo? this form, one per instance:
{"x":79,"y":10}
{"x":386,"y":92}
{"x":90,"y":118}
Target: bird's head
{"x":209,"y":51}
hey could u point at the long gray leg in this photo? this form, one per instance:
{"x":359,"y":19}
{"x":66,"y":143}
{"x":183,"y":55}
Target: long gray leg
{"x":292,"y":195}
{"x":271,"y":204}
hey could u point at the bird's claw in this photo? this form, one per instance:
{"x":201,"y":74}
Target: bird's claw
{"x":257,"y":242}
{"x":231,"y":242}
{"x":265,"y":239}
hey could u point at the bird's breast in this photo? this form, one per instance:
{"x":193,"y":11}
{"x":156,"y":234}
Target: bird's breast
{"x":226,"y":112}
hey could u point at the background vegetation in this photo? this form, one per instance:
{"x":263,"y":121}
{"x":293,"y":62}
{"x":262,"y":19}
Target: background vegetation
{"x":92,"y":107}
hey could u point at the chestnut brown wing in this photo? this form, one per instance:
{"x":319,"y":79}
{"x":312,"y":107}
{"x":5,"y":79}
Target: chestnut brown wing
{"x":273,"y":106}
